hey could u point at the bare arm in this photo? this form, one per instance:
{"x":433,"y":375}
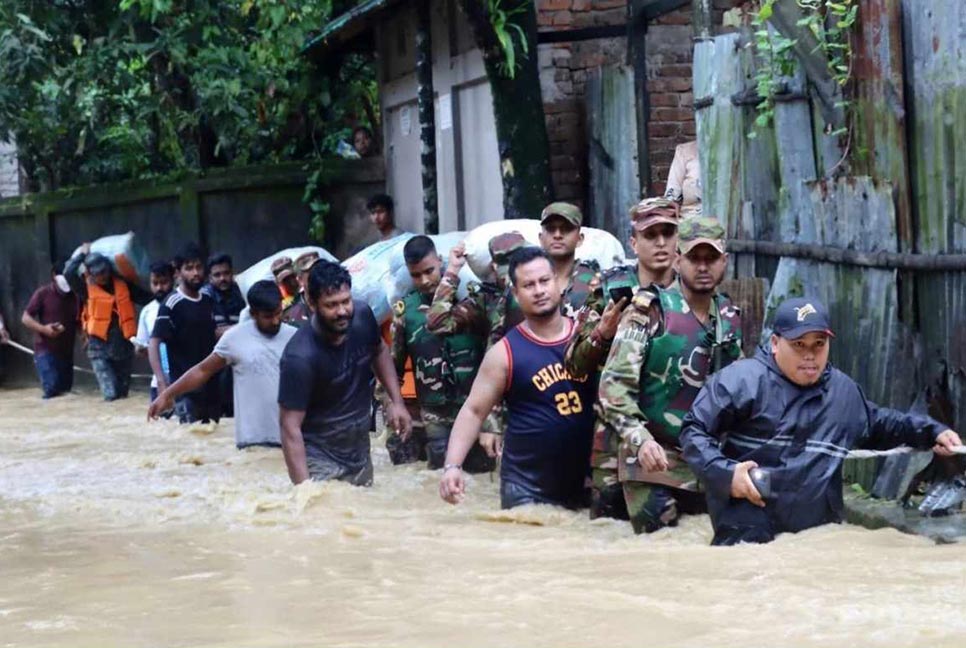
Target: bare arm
{"x":293,"y":445}
{"x":487,"y":392}
{"x":41,"y":329}
{"x":193,"y":379}
{"x":154,"y":358}
{"x":383,"y":367}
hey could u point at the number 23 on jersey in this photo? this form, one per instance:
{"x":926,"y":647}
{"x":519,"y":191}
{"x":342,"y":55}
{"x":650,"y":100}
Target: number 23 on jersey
{"x":569,"y":403}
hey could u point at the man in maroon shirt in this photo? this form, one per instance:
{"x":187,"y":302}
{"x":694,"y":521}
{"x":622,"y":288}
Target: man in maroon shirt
{"x":52,"y":314}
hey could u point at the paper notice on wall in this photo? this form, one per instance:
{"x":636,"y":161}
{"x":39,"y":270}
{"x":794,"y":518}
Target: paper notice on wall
{"x":445,"y":111}
{"x":406,"y":121}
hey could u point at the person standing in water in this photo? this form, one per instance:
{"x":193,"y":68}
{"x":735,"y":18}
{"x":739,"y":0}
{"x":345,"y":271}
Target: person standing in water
{"x":326,"y":384}
{"x":546,"y":446}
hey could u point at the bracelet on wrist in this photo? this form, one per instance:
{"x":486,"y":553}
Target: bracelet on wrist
{"x":449,"y":467}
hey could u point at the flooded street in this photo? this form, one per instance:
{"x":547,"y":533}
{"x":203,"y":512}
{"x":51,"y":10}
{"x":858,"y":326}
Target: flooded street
{"x":115,"y":532}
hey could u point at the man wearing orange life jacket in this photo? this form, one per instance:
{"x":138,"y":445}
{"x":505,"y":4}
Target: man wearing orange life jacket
{"x":108,"y":319}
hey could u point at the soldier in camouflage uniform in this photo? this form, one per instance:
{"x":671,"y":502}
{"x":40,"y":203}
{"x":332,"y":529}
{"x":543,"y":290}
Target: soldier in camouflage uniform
{"x":654,"y":239}
{"x":444,"y":366}
{"x":667,"y":343}
{"x":487,"y":312}
{"x":560,"y":236}
{"x":299,"y":312}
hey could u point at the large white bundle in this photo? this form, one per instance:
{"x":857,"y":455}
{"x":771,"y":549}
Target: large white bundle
{"x":127,"y":257}
{"x":598,"y":245}
{"x":400,"y":283}
{"x":263,"y":269}
{"x":371,"y":271}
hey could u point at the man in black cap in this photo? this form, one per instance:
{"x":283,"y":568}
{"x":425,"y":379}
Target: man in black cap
{"x":768,"y":435}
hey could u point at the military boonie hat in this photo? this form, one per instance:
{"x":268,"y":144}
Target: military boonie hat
{"x":304,"y":262}
{"x":282,"y":268}
{"x":503,"y":245}
{"x":653,"y":211}
{"x":698,"y":230}
{"x":796,"y":317}
{"x":570,"y":213}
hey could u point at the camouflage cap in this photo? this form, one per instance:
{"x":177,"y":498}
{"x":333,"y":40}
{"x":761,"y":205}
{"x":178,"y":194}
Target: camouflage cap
{"x":570,"y":213}
{"x":696,"y":230}
{"x":304,"y":262}
{"x":282,"y":268}
{"x":503,"y":245}
{"x":653,"y":211}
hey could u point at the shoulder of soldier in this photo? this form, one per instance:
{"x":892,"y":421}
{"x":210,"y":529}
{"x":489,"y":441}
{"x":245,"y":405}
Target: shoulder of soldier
{"x":402,"y":305}
{"x":644,"y":297}
{"x":619,"y":273}
{"x":589,"y":266}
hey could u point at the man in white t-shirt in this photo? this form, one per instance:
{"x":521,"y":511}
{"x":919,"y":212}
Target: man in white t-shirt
{"x":162,"y":283}
{"x":252,"y":349}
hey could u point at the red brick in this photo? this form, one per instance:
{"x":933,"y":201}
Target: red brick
{"x":580,"y":5}
{"x":559,"y":107}
{"x":571,"y":176}
{"x":562,"y":74}
{"x":553,"y":5}
{"x":544,"y":18}
{"x":674,"y":70}
{"x":663,"y":129}
{"x":686,"y":100}
{"x":671,"y":84}
{"x":567,"y":121}
{"x":658,"y":187}
{"x":563,"y":19}
{"x":672,"y":114}
{"x":682,"y":17}
{"x":667,"y":100}
{"x":607,"y":4}
{"x":690,"y":129}
{"x":562,"y":162}
{"x":568,"y":191}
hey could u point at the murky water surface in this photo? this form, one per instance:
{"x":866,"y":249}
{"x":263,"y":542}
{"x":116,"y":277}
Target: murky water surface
{"x":114,"y":532}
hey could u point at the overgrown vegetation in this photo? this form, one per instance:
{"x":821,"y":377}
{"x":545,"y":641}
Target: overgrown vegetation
{"x":509,"y":34}
{"x":831,"y":22}
{"x":96,"y":91}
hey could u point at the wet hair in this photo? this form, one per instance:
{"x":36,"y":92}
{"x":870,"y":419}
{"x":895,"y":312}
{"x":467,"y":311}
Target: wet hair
{"x":264,"y":297}
{"x":327,"y":277}
{"x":162,"y":269}
{"x":190,"y":252}
{"x":418,"y":248}
{"x":380,"y":200}
{"x":524,"y":256}
{"x":218,"y":259}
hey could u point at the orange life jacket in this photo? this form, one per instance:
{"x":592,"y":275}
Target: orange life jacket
{"x":101,"y":306}
{"x":408,"y":387}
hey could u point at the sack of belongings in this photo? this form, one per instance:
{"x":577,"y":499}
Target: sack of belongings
{"x":263,"y":269}
{"x":129,"y":260}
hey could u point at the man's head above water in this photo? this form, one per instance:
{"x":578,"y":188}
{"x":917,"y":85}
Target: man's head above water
{"x":800,"y":340}
{"x":330,"y":289}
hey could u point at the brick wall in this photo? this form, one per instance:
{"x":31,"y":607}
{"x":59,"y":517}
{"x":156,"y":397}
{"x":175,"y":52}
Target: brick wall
{"x":563,"y":76}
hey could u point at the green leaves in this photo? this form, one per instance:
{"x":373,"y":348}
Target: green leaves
{"x":509,"y":34}
{"x":108,"y":91}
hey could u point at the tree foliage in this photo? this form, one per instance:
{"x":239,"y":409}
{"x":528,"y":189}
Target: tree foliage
{"x":101,"y":90}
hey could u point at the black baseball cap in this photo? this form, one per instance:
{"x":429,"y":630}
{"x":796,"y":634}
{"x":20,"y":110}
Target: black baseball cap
{"x":796,"y":317}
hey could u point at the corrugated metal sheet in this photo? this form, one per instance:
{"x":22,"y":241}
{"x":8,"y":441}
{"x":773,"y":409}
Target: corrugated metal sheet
{"x":935,"y":67}
{"x":873,"y":346}
{"x":612,"y":126}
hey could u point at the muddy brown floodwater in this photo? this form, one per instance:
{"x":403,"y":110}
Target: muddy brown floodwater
{"x":114,"y":532}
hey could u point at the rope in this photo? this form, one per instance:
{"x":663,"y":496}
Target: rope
{"x":868,"y":454}
{"x":29,"y":351}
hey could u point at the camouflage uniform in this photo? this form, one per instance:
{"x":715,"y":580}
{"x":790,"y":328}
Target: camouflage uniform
{"x":585,"y":354}
{"x":444,"y":368}
{"x":659,"y":361}
{"x":487,"y":312}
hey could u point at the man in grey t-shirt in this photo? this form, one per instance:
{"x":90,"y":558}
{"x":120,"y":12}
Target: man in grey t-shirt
{"x":253,"y":349}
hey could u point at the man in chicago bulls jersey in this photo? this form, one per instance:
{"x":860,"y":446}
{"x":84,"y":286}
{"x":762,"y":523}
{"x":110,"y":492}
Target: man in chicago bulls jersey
{"x":550,"y":418}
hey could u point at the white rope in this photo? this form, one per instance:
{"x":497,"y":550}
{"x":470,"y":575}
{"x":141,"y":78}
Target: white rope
{"x":868,"y":454}
{"x":29,"y":351}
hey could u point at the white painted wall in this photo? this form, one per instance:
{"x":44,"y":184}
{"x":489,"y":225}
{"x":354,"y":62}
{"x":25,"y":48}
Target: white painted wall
{"x":9,"y":171}
{"x":468,"y":166}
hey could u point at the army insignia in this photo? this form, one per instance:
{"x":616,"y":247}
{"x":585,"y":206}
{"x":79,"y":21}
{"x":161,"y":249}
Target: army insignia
{"x":399,"y":308}
{"x":642,"y":300}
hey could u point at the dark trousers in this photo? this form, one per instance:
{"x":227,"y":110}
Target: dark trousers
{"x":56,"y":374}
{"x":113,"y":376}
{"x":198,"y":407}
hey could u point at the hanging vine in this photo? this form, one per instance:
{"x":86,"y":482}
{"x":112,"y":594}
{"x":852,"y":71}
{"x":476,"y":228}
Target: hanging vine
{"x":832,"y":24}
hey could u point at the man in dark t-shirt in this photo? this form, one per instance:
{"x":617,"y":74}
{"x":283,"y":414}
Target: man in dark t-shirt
{"x":52,"y":314}
{"x":325,"y":385}
{"x":186,"y":324}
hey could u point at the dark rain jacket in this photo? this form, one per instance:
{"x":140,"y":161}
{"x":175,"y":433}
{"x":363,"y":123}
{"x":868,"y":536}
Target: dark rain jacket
{"x":749,"y":411}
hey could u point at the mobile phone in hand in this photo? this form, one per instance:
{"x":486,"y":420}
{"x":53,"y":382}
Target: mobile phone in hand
{"x":621,"y":292}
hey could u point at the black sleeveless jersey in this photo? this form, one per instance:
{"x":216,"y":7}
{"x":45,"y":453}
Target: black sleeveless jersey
{"x":550,"y":419}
